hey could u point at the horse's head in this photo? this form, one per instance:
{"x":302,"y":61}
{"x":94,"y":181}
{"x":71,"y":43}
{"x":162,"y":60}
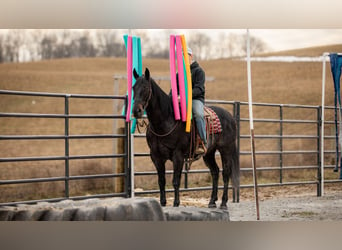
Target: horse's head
{"x":142,"y":92}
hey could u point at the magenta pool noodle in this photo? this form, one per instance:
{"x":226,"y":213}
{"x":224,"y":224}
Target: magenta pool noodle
{"x":181,"y":77}
{"x":173,"y":78}
{"x":129,"y":77}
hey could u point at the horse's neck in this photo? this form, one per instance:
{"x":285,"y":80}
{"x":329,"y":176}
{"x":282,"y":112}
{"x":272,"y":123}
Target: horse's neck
{"x":158,"y":110}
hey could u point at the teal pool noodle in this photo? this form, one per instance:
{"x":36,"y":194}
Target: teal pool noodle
{"x":139,"y":57}
{"x":185,"y":84}
{"x":135,"y":64}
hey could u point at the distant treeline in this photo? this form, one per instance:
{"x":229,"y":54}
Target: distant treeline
{"x":35,"y":45}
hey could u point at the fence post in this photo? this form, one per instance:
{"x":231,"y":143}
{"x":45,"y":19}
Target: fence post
{"x":127,"y":159}
{"x":281,"y":144}
{"x":66,"y":142}
{"x":119,"y":145}
{"x":131,"y":141}
{"x":319,"y":153}
{"x":237,"y":120}
{"x":186,"y":175}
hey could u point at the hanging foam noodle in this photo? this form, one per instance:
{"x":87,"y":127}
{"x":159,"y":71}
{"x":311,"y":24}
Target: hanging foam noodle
{"x":139,"y":57}
{"x":174,"y":89}
{"x":129,"y":77}
{"x":185,"y":85}
{"x":181,"y":77}
{"x":134,"y":60}
{"x":189,"y":84}
{"x":136,"y":56}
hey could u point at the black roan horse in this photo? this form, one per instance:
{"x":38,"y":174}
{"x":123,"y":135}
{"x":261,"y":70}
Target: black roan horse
{"x":168,"y":140}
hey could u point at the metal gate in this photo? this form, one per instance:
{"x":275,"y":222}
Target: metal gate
{"x":67,"y":138}
{"x":275,"y":127}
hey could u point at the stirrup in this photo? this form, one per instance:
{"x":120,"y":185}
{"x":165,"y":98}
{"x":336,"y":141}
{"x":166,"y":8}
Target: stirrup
{"x":201,"y":148}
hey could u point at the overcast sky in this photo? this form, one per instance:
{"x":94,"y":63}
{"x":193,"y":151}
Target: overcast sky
{"x":276,"y":39}
{"x":281,"y":39}
{"x":284,"y":39}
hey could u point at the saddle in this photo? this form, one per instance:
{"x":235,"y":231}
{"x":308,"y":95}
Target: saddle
{"x":213,"y":126}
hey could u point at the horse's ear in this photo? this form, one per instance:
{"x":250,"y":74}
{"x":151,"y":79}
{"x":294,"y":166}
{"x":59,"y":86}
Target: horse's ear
{"x":147,"y":74}
{"x":135,"y":74}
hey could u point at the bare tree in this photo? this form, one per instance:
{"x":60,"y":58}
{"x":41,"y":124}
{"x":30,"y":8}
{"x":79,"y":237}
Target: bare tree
{"x":256,"y":45}
{"x":16,"y":45}
{"x":199,"y":42}
{"x":1,"y":49}
{"x":222,"y":51}
{"x":109,"y":44}
{"x":12,"y":43}
{"x":233,"y":45}
{"x":150,"y":46}
{"x":34,"y":44}
{"x":47,"y":46}
{"x":63,"y":41}
{"x":86,"y":46}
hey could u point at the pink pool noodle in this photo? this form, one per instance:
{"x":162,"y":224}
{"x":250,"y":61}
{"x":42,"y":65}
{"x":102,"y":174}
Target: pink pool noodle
{"x":129,"y":78}
{"x":173,"y":78}
{"x":181,"y":77}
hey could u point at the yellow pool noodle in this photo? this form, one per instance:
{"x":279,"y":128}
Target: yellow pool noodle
{"x":188,"y":75}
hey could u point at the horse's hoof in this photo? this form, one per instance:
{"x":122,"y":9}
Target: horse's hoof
{"x":223,"y":207}
{"x":212,"y":205}
{"x":176,"y":203}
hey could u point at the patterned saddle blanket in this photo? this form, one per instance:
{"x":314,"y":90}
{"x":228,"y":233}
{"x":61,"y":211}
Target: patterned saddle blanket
{"x":213,"y":124}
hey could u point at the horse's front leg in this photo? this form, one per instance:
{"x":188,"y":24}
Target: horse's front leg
{"x":178,"y":161}
{"x":160,"y":166}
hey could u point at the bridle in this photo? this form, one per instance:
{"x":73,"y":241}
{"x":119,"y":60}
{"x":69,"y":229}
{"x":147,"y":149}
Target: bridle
{"x":144,"y":106}
{"x":149,"y":94}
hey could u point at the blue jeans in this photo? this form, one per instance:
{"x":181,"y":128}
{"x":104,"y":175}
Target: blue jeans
{"x":198,"y":113}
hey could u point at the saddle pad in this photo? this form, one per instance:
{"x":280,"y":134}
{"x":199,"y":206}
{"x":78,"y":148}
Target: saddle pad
{"x":213,"y":124}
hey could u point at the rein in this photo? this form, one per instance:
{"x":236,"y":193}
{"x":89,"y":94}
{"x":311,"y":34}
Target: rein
{"x":141,"y":125}
{"x":163,"y":135}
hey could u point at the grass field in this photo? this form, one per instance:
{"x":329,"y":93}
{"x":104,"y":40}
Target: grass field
{"x":273,"y":82}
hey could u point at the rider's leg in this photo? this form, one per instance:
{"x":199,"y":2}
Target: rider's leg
{"x":198,"y":113}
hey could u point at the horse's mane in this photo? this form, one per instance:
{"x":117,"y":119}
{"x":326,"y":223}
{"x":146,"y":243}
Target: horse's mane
{"x":165,"y":99}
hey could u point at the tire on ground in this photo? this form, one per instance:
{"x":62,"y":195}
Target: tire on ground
{"x":195,"y":214}
{"x":111,"y":209}
{"x":119,"y":209}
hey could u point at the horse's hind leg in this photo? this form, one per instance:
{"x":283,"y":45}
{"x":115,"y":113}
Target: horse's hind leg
{"x":178,"y":161}
{"x":236,"y":195}
{"x":226,"y":174}
{"x":210,"y":161}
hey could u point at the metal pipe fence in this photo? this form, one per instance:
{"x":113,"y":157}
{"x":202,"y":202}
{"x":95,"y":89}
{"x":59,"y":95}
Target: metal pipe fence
{"x":281,"y":125}
{"x":66,"y":137}
{"x":279,"y":165}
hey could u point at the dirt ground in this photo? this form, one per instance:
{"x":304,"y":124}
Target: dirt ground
{"x":304,"y":208}
{"x":291,"y":203}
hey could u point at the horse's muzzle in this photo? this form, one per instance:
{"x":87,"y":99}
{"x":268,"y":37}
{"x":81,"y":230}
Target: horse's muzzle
{"x":138,"y":111}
